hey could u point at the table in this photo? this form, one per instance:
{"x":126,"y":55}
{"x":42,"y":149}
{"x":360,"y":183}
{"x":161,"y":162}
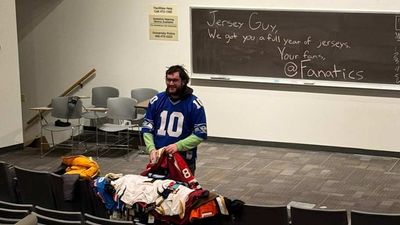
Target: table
{"x":96,"y":109}
{"x":41,"y":109}
{"x":82,"y":96}
{"x":143,"y":105}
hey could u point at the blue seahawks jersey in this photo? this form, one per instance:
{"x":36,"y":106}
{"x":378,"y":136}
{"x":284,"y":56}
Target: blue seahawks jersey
{"x":170,"y":121}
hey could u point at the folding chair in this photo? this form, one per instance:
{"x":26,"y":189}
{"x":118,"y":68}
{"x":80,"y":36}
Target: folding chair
{"x":254,"y":214}
{"x":11,"y":216}
{"x":7,"y":182}
{"x":9,"y":205}
{"x":142,"y":94}
{"x":303,"y":216}
{"x":99,"y":101}
{"x":90,"y":219}
{"x":58,"y":214}
{"x":62,"y":108}
{"x":45,"y":220}
{"x":35,"y":187}
{"x":122,"y":111}
{"x":370,"y":218}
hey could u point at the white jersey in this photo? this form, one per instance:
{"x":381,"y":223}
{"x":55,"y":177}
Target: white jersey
{"x":135,"y":188}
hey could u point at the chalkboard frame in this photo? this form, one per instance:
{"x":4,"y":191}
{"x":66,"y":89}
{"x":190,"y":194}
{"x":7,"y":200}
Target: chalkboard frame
{"x":280,"y":80}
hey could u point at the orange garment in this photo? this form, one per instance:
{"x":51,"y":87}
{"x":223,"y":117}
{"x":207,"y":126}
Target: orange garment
{"x":82,"y":165}
{"x":206,"y":210}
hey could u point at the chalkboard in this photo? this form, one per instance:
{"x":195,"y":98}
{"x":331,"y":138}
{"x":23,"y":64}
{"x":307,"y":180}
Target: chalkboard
{"x":306,"y":45}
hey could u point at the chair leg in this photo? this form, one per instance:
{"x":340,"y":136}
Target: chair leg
{"x":52,"y":139}
{"x":72,"y":140}
{"x":97,"y":138}
{"x":41,"y":142}
{"x":97,"y":132}
{"x":79,"y":136}
{"x":106,"y":141}
{"x":79,"y":143}
{"x":51,"y":148}
{"x":141,"y":147}
{"x":127,"y":144}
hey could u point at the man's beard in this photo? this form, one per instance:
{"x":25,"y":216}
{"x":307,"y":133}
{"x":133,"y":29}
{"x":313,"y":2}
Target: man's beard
{"x":178,"y":91}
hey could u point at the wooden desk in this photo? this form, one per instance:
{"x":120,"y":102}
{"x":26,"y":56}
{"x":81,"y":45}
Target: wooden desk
{"x":143,"y":105}
{"x":96,"y":109}
{"x":41,"y":109}
{"x":82,"y":96}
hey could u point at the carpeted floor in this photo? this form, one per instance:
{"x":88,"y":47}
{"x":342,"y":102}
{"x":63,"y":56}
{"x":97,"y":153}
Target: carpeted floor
{"x":265,"y":175}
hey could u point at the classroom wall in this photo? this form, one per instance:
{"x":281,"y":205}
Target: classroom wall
{"x":11,"y":116}
{"x":60,"y":40}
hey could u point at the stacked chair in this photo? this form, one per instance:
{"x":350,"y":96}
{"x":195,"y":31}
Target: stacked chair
{"x":122,"y":112}
{"x":99,"y":100}
{"x":142,"y":94}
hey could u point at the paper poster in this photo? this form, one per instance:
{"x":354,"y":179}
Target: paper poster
{"x":163,"y":22}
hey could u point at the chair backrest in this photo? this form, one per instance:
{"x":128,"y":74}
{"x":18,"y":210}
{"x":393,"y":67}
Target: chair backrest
{"x":303,"y":216}
{"x":361,"y":218}
{"x":58,"y":214}
{"x":65,"y":192}
{"x":66,"y":107}
{"x":90,"y":219}
{"x":11,"y":216}
{"x":214,"y":220}
{"x":101,"y":94}
{"x":141,"y":94}
{"x":121,"y":108}
{"x":57,"y":184}
{"x":254,"y":214}
{"x":9,"y":205}
{"x":45,"y":220}
{"x":7,"y":182}
{"x":35,"y":187}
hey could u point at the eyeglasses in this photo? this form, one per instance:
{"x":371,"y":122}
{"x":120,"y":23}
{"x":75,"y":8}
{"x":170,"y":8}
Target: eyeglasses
{"x":169,"y":80}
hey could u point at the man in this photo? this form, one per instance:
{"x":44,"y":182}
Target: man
{"x":175,"y":119}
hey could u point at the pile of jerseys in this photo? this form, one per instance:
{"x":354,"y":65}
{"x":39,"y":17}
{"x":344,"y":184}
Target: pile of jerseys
{"x":166,"y":199}
{"x":166,"y":190}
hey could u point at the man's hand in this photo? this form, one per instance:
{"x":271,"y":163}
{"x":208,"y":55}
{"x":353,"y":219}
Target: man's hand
{"x":171,"y":149}
{"x":153,"y":156}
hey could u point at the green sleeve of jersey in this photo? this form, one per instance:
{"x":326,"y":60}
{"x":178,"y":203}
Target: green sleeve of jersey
{"x":149,"y":142}
{"x":188,"y":143}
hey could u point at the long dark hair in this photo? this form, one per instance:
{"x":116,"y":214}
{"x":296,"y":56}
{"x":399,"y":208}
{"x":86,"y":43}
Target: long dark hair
{"x":182,"y":73}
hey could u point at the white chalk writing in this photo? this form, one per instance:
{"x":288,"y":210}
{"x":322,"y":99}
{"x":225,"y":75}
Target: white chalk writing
{"x":303,"y":70}
{"x":255,"y":24}
{"x":307,"y":52}
{"x":223,"y":22}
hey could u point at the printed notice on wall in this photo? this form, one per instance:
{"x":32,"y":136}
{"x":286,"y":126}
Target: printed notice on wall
{"x":163,"y":21}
